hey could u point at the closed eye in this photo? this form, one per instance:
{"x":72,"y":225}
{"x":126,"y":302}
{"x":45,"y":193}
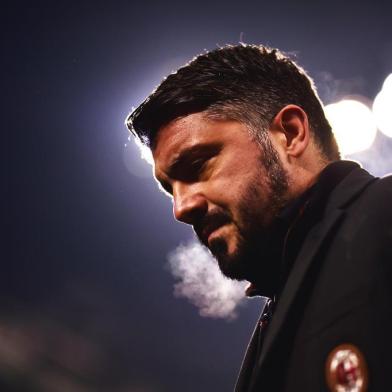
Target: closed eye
{"x":196,"y":167}
{"x":191,"y":165}
{"x":188,"y":172}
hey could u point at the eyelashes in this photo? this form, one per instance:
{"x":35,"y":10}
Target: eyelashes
{"x":197,"y":166}
{"x":191,"y":167}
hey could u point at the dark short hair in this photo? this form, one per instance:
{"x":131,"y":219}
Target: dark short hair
{"x":247,"y":83}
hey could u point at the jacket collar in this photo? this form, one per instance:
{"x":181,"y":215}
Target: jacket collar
{"x":300,"y":214}
{"x":344,"y":193}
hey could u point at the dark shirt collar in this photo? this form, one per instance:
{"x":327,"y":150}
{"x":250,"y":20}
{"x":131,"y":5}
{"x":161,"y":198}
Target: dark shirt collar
{"x":298,"y":217}
{"x":317,"y":195}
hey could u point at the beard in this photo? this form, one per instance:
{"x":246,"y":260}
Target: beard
{"x":256,"y":257}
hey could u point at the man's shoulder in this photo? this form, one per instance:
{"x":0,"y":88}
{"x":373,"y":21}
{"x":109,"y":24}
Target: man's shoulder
{"x":365,"y":200}
{"x":373,"y":187}
{"x":370,"y":210}
{"x":380,"y":189}
{"x":385,"y":181}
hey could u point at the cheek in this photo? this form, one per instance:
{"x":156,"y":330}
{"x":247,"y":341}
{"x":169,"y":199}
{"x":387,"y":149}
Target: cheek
{"x":252,"y":204}
{"x":242,"y":188}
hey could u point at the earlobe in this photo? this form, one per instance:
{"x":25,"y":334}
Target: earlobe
{"x":293,"y":124}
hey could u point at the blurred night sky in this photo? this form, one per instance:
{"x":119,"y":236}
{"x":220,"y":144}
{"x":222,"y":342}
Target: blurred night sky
{"x":86,"y":296}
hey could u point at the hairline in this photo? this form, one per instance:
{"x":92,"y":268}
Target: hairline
{"x":256,"y":125}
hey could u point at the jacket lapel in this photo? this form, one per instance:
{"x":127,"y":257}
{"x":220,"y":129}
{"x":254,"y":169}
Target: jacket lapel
{"x":245,"y":375}
{"x":346,"y":191}
{"x":297,"y":275}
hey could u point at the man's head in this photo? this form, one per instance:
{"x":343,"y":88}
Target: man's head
{"x":235,"y":134}
{"x":247,"y":83}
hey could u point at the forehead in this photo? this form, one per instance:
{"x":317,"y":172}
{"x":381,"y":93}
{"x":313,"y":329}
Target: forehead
{"x":183,"y":131}
{"x":196,"y":130}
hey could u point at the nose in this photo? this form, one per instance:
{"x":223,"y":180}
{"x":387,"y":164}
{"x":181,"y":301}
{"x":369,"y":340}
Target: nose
{"x":189,"y":205}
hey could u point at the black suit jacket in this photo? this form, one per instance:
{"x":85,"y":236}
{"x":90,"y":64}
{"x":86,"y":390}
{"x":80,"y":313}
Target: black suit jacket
{"x":338,"y":291}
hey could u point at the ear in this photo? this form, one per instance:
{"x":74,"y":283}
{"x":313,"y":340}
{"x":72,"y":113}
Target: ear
{"x":290,"y":129}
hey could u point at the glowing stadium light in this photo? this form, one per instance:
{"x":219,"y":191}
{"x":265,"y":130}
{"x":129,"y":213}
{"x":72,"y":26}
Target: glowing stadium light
{"x":353,"y":125}
{"x":382,"y":107}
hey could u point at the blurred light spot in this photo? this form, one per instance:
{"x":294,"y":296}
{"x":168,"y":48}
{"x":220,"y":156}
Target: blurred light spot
{"x":382,"y":107}
{"x":353,"y":125}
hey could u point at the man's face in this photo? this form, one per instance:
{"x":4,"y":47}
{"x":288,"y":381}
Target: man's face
{"x":218,"y":178}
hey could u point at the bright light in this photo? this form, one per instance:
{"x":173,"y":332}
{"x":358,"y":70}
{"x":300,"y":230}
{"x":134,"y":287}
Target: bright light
{"x":353,"y":125}
{"x":145,"y":152}
{"x":137,"y":158}
{"x":382,"y":107}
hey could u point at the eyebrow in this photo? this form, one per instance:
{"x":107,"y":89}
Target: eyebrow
{"x":187,"y":154}
{"x":206,"y":149}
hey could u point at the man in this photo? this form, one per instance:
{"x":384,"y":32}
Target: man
{"x":241,"y":143}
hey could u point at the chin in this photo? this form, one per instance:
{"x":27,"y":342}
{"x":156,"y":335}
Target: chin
{"x":232,"y":267}
{"x":227,"y":241}
{"x":230,"y":259}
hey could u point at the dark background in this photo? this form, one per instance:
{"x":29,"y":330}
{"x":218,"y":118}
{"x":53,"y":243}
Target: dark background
{"x":87,"y":303}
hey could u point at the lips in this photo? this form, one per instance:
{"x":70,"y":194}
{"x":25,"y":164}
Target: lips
{"x":208,"y":231}
{"x":210,"y":224}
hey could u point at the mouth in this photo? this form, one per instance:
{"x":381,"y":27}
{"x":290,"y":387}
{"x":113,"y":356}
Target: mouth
{"x":206,"y":232}
{"x":211,"y":235}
